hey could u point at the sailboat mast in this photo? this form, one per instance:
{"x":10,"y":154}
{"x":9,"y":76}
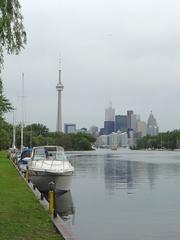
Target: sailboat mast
{"x":14,"y":131}
{"x":22,"y":109}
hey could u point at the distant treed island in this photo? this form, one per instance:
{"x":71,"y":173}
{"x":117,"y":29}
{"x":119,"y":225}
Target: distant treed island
{"x":168,"y":140}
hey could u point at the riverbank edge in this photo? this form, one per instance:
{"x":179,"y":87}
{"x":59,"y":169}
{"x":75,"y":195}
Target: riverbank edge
{"x":43,"y":221}
{"x":57,"y":221}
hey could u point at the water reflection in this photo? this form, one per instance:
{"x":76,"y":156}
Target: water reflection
{"x":101,"y":186}
{"x":85,"y":165}
{"x":152,"y":173}
{"x":126,"y":170}
{"x":128,"y":174}
{"x":64,"y":204}
{"x":118,"y":174}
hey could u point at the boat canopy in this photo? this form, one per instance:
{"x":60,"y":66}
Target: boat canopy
{"x":26,"y":153}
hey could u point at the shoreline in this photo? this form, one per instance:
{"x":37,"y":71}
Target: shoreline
{"x":21,"y":215}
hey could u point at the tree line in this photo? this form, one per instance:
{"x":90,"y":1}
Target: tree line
{"x":168,"y":140}
{"x":39,"y":135}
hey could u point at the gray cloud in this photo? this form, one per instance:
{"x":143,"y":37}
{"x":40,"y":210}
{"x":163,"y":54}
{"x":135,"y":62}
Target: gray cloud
{"x":126,"y":51}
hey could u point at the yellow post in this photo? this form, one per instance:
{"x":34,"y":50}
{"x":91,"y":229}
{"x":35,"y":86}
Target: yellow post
{"x":51,"y":197}
{"x":51,"y":201}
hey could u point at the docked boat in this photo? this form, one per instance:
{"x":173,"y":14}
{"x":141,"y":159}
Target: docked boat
{"x":49,"y":164}
{"x":22,"y":158}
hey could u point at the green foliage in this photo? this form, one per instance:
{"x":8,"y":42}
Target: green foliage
{"x":38,"y":135}
{"x":64,"y":140}
{"x":37,"y":129}
{"x":4,"y":139}
{"x":39,"y":141}
{"x":5,"y":105}
{"x":12,"y":40}
{"x":12,"y":33}
{"x":168,"y":140}
{"x":5,"y":134}
{"x":82,"y":141}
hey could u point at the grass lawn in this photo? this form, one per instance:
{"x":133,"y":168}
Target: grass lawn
{"x":21,"y":215}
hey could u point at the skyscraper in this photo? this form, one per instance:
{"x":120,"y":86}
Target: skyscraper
{"x":69,"y":128}
{"x":110,"y":113}
{"x":152,"y":127}
{"x":129,"y":113}
{"x":121,"y":123}
{"x":142,"y":128}
{"x":134,"y":120}
{"x":109,"y":122}
{"x":59,"y":88}
{"x":108,"y":127}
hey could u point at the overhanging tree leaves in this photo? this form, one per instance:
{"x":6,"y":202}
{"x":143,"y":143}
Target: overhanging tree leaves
{"x":12,"y":40}
{"x":12,"y":33}
{"x":5,"y":105}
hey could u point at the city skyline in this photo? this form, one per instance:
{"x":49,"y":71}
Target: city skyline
{"x":126,"y":53}
{"x":131,"y":121}
{"x":106,"y":111}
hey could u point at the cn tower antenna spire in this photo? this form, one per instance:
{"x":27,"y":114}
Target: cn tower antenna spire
{"x":59,"y":69}
{"x":59,"y":61}
{"x":59,"y":88}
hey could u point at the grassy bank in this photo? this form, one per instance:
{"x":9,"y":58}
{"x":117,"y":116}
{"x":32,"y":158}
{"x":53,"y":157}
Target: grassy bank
{"x":21,"y":215}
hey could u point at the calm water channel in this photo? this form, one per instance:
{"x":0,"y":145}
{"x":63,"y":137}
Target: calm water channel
{"x":124,"y":195}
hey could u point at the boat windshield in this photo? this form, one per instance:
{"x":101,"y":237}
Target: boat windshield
{"x":39,"y":154}
{"x":46,"y":153}
{"x":60,"y":156}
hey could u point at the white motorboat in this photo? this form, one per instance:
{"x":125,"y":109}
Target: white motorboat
{"x":49,"y":164}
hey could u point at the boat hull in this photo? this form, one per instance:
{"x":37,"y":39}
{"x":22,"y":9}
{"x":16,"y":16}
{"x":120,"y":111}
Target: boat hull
{"x":42,"y":179}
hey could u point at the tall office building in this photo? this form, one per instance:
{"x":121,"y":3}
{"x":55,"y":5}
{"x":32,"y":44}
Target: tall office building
{"x":59,"y":88}
{"x":121,"y":123}
{"x":69,"y":128}
{"x":129,"y":113}
{"x":142,"y":128}
{"x":110,"y":113}
{"x":109,"y":122}
{"x":108,"y":127}
{"x":152,"y":127}
{"x":134,"y":121}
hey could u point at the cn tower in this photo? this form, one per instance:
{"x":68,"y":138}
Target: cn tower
{"x":59,"y":88}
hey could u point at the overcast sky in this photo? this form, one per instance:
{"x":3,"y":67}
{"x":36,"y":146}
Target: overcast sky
{"x":126,"y":51}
